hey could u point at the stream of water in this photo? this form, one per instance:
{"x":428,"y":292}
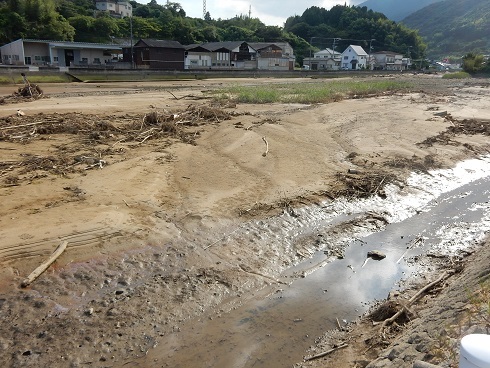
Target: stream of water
{"x":442,"y":213}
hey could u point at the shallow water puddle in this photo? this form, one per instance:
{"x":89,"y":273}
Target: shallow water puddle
{"x":276,"y":327}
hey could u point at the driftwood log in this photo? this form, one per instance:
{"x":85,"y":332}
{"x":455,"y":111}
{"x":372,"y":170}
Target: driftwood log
{"x":266,"y":147}
{"x":43,"y":267}
{"x":325,"y":352}
{"x":421,"y":364}
{"x":411,"y":301}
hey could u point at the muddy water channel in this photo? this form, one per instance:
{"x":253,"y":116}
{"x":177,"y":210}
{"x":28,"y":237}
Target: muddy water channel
{"x":441,"y":214}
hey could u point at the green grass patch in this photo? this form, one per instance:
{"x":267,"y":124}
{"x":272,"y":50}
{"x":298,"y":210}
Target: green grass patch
{"x":456,"y":75}
{"x":33,"y":78}
{"x":113,"y":77}
{"x":6,"y":80}
{"x":37,"y":79}
{"x":308,"y":93}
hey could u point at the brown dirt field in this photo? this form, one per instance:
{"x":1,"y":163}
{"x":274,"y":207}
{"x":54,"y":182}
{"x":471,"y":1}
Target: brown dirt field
{"x":105,"y":167}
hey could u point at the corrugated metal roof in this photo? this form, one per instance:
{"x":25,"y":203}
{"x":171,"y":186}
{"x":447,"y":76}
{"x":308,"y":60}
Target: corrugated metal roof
{"x":77,"y":45}
{"x":214,"y":46}
{"x":263,"y":45}
{"x":168,"y":44}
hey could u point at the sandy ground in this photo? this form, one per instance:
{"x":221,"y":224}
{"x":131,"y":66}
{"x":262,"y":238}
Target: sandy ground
{"x":132,"y":209}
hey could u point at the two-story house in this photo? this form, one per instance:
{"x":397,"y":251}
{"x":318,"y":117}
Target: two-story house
{"x":221,"y":55}
{"x":354,"y":58}
{"x":387,"y":60}
{"x":327,"y":59}
{"x":115,"y":8}
{"x":240,"y":55}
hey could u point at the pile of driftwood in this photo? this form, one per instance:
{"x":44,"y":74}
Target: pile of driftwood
{"x":413,"y":163}
{"x":355,"y":184}
{"x":458,"y":127}
{"x":126,"y":128}
{"x":27,"y":92}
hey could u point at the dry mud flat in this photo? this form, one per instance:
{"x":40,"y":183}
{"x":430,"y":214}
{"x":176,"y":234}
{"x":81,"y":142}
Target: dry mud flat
{"x":165,"y":201}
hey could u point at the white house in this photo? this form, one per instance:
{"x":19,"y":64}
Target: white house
{"x":354,"y":58}
{"x":58,"y":53}
{"x":327,"y":59}
{"x":116,"y":8}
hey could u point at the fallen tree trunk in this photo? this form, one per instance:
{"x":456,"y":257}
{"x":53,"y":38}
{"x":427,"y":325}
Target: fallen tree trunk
{"x":43,"y":267}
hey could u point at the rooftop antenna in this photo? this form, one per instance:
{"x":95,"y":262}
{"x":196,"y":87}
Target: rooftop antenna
{"x":203,"y":9}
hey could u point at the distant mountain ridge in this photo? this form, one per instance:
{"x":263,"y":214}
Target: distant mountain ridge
{"x":397,"y":9}
{"x":453,"y":27}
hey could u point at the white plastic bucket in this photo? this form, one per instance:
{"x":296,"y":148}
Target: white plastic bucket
{"x":475,"y":351}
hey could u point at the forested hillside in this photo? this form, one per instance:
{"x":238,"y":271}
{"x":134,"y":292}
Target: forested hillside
{"x":454,"y":27}
{"x":395,"y":9}
{"x":355,"y":25}
{"x":76,"y":20}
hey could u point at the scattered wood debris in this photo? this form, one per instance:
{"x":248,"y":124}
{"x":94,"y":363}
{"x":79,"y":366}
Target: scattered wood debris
{"x":458,"y":127}
{"x":363,"y":185}
{"x":93,"y":139}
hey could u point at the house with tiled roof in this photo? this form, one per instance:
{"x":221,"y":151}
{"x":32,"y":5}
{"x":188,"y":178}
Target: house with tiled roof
{"x":240,"y":55}
{"x":221,"y":55}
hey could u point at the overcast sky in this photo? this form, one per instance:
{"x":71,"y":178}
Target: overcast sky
{"x":270,"y":12}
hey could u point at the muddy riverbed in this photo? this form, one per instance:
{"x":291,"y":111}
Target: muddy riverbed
{"x":196,"y":249}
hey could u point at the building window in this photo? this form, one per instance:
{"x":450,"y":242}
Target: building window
{"x":37,"y":58}
{"x":55,"y":58}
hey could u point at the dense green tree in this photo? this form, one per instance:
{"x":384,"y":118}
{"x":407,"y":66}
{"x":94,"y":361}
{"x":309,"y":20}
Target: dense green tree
{"x":234,"y":33}
{"x":73,"y":8}
{"x":12,"y":25}
{"x":105,"y":27}
{"x":473,"y":62}
{"x":84,"y":27}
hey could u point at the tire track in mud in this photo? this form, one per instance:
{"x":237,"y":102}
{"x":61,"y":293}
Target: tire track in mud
{"x":40,"y":248}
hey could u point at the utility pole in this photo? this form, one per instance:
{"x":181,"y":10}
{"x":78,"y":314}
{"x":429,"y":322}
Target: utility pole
{"x":369,"y":53}
{"x":334,"y":42}
{"x":408,"y":56}
{"x":131,"y":35}
{"x":311,"y":45}
{"x":250,"y":12}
